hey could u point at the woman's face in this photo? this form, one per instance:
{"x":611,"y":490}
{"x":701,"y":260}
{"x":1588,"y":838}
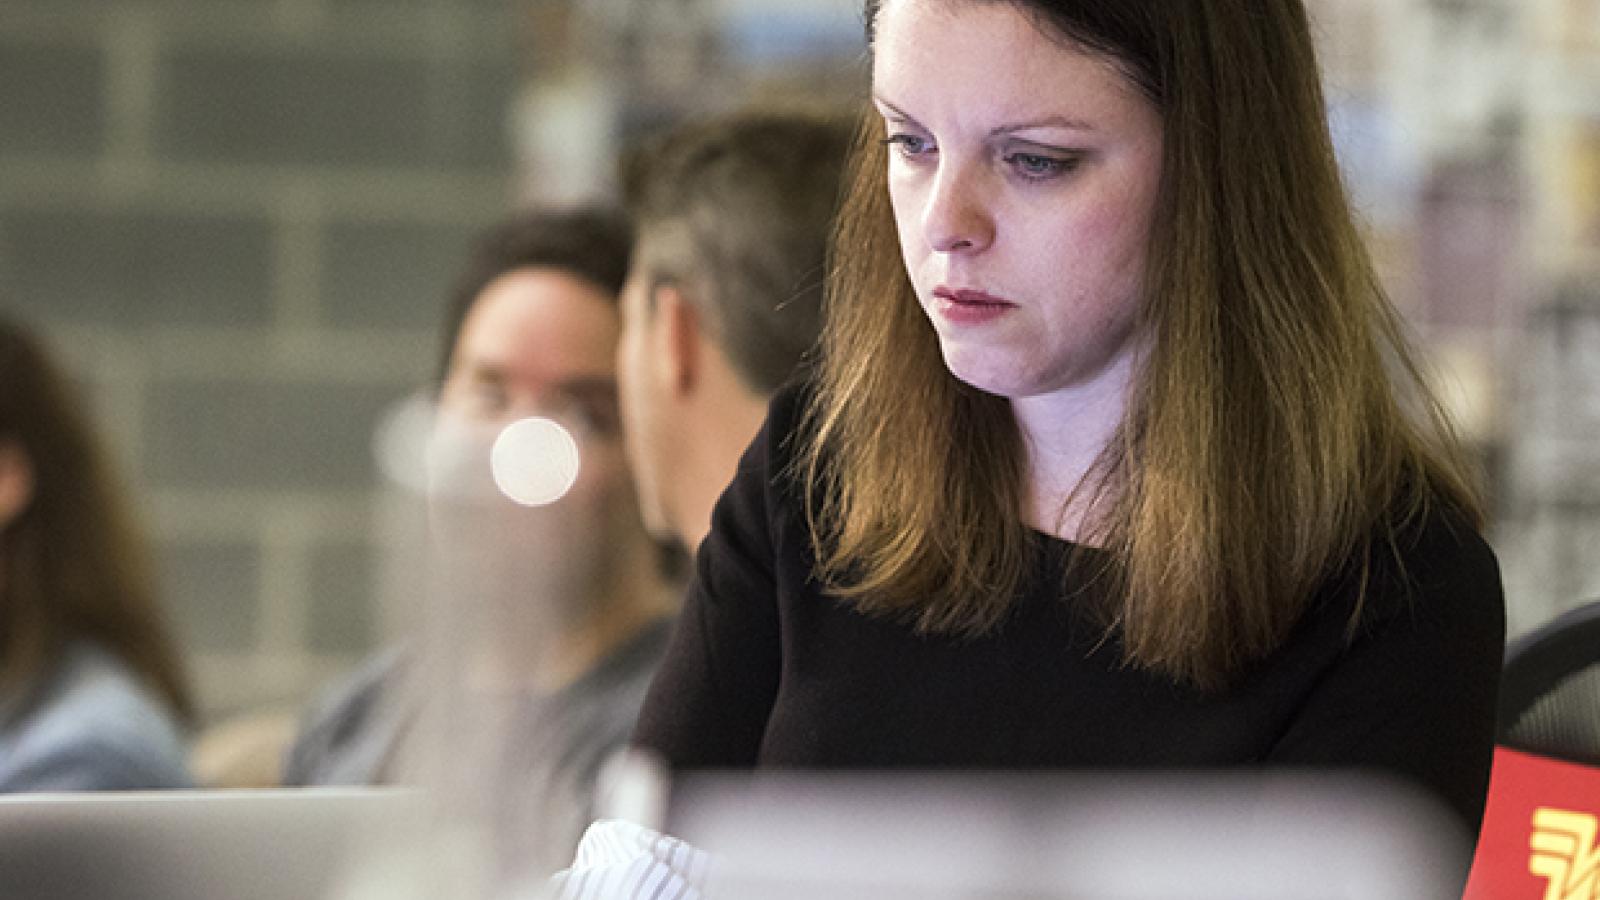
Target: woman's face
{"x":1023,"y":175}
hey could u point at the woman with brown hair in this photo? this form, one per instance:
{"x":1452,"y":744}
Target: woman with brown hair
{"x":92,"y":694}
{"x":1116,"y":453}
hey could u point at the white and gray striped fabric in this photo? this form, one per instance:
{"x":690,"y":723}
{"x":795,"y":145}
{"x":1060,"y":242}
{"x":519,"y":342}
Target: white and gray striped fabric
{"x":620,"y":860}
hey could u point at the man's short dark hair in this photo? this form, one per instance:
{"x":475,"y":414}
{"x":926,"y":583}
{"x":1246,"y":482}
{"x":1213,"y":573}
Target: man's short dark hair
{"x":591,"y":242}
{"x":736,"y":211}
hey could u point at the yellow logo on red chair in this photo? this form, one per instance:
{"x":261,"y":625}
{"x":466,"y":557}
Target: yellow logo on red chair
{"x":1564,"y":851}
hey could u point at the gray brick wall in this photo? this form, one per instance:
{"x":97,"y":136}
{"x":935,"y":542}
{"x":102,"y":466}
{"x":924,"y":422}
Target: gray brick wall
{"x":237,"y":220}
{"x":272,"y":104}
{"x":134,"y":267}
{"x":63,"y":109}
{"x":386,"y":274}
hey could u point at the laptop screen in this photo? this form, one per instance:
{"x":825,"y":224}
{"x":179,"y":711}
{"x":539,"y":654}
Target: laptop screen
{"x":187,"y":845}
{"x":932,"y":836}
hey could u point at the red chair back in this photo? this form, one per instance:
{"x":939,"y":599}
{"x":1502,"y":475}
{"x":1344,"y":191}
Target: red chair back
{"x":1541,"y":831}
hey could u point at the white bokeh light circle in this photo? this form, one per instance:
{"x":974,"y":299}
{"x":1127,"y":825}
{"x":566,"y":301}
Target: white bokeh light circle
{"x":400,"y":442}
{"x":534,"y":461}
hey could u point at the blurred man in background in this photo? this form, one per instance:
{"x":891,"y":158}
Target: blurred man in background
{"x":723,"y":299}
{"x":542,"y":624}
{"x":723,"y":302}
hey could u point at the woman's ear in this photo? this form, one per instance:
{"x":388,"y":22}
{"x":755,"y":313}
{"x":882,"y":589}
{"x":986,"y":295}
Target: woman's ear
{"x":16,"y":482}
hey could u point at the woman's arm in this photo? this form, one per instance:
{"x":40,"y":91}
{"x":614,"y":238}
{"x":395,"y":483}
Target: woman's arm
{"x":1414,"y":695}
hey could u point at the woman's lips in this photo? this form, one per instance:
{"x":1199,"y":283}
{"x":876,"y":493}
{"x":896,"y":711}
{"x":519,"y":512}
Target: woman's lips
{"x":964,"y":307}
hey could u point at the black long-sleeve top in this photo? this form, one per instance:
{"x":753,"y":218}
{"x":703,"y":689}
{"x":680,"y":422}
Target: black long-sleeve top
{"x":767,"y":670}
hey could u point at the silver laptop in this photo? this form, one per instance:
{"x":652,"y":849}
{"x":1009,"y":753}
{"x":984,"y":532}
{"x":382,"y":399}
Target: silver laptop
{"x":942,"y":836}
{"x":187,"y":845}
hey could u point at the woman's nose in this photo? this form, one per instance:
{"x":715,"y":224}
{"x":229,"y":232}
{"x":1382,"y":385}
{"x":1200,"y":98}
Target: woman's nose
{"x":957,"y":218}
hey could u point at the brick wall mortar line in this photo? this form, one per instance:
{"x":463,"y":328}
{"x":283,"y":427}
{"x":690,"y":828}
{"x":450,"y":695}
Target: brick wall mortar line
{"x":288,"y":538}
{"x":400,"y":581}
{"x":192,"y":514}
{"x":366,"y":356}
{"x":121,"y":378}
{"x":133,"y":45}
{"x":378,"y":195}
{"x":251,"y":24}
{"x":303,"y":16}
{"x":297,"y":267}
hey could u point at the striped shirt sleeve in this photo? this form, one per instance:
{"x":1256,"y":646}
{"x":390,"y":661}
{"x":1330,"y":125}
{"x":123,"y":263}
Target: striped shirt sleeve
{"x":620,"y":860}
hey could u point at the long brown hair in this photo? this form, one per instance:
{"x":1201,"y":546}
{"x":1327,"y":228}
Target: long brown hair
{"x":1278,"y":419}
{"x":72,"y":565}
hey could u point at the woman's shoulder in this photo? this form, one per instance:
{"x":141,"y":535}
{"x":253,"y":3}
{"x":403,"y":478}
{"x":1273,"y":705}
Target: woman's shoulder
{"x":1441,"y":542}
{"x":758,"y":524}
{"x":95,"y":726}
{"x":788,"y":417}
{"x":767,"y":478}
{"x":1433,"y":559}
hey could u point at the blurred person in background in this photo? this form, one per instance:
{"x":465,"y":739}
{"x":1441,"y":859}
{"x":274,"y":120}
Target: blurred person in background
{"x":93,"y":694}
{"x":724,"y":296}
{"x":553,"y":617}
{"x":1117,"y":454}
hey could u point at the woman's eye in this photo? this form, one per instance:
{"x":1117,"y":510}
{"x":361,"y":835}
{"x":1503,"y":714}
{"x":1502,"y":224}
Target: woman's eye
{"x":1039,"y":165}
{"x":910,"y":146}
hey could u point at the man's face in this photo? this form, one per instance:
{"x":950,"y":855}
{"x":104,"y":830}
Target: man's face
{"x":537,"y":342}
